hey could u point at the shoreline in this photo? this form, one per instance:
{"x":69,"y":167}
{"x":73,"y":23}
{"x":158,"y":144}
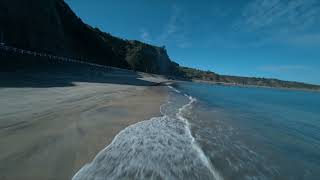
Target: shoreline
{"x":129,"y":154}
{"x":50,"y":133}
{"x":252,"y":86}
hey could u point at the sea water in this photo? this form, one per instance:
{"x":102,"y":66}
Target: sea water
{"x":218,"y":132}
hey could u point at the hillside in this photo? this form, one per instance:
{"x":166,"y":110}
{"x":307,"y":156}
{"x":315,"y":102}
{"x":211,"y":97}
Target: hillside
{"x":51,"y":26}
{"x":208,"y":76}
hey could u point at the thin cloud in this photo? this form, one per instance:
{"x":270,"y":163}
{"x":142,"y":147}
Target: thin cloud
{"x":172,"y":26}
{"x":283,"y":68}
{"x":279,"y":20}
{"x":174,"y":31}
{"x":145,"y":35}
{"x":306,"y":40}
{"x":284,"y":15}
{"x":184,"y":45}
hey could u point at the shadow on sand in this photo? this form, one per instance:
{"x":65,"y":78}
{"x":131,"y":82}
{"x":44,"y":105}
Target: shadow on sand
{"x":53,"y":74}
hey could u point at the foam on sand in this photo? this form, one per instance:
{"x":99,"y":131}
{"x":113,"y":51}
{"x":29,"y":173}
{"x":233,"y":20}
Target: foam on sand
{"x":159,"y":148}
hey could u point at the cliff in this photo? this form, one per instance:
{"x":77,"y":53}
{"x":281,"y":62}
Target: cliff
{"x":51,"y":26}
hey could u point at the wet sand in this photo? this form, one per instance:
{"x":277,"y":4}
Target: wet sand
{"x":50,"y":131}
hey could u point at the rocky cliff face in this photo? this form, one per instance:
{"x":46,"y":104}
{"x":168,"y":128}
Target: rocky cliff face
{"x":51,"y":26}
{"x":140,"y":56}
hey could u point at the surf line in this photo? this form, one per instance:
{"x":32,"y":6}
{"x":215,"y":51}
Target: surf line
{"x":195,"y":146}
{"x":179,"y":116}
{"x":174,"y":89}
{"x":78,"y":174}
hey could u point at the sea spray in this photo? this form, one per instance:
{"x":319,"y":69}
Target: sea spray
{"x":159,"y":148}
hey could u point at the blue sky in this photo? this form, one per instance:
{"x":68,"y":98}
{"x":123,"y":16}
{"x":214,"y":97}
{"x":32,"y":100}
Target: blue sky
{"x":263,"y":38}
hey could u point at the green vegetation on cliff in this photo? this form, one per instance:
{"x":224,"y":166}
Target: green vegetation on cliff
{"x":195,"y":74}
{"x":51,"y":26}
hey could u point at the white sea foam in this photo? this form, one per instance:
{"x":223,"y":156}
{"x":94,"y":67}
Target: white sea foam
{"x":159,"y":148}
{"x":174,"y":89}
{"x":195,"y":146}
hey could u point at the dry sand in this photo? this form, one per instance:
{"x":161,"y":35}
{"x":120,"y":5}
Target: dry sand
{"x":53,"y":124}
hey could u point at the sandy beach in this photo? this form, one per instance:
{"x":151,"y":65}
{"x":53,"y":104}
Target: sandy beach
{"x":53,"y":123}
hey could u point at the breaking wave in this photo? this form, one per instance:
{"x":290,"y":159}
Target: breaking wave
{"x":159,"y":148}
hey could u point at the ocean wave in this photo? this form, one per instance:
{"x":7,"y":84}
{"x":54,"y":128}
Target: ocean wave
{"x":159,"y":148}
{"x":174,"y":89}
{"x":195,"y":146}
